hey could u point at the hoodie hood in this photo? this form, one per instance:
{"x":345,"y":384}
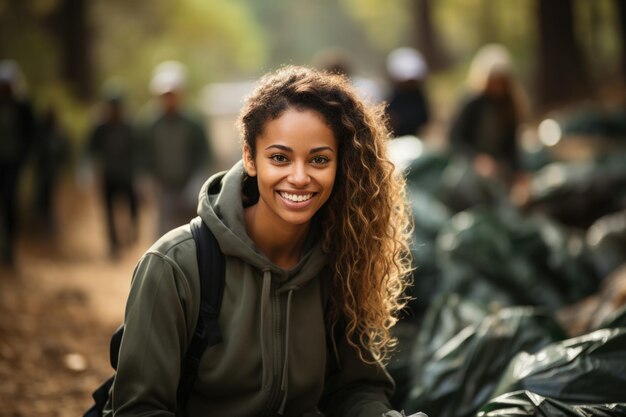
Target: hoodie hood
{"x":220,"y":206}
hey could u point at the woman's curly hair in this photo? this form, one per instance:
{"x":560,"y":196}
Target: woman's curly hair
{"x":365,"y":222}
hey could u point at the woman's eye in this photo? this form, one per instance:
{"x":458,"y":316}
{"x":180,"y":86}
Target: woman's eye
{"x":319,"y":160}
{"x":279,"y":158}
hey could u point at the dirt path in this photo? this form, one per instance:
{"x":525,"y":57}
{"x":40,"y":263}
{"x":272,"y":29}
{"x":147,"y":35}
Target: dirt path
{"x":59,"y":308}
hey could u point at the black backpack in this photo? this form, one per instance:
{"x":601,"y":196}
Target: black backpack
{"x":207,"y":332}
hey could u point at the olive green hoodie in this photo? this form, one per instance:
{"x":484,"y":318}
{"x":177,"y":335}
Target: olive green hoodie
{"x":274,"y":358}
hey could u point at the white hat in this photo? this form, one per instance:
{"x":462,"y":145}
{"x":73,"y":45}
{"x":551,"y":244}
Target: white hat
{"x":167,"y":77}
{"x":406,"y":64}
{"x":9,"y":71}
{"x":491,"y":59}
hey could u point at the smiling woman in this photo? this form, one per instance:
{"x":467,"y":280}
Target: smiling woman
{"x":295,"y":169}
{"x":314,"y":228}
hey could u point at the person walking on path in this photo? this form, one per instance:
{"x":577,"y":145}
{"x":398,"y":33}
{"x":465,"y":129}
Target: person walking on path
{"x":177,"y":148}
{"x":113,"y":143}
{"x":17,"y":130}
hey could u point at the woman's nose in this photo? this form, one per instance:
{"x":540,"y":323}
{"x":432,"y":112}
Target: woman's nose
{"x":299,"y":175}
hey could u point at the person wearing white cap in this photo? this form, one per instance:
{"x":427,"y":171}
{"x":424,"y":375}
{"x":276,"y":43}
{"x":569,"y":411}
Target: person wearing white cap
{"x":177,"y":147}
{"x":408,"y":107}
{"x":484,"y":129}
{"x":16,"y":133}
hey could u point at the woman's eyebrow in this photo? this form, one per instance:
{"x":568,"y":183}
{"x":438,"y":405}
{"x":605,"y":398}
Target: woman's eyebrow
{"x":288,"y":149}
{"x":321,"y":148}
{"x":281,"y":147}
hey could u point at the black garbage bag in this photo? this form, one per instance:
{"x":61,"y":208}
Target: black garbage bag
{"x":418,"y":342}
{"x":448,"y":315}
{"x":535,"y":157}
{"x":598,"y":311}
{"x":577,"y":194}
{"x":461,"y":374}
{"x":527,"y":404}
{"x":501,"y":255}
{"x":615,"y":319}
{"x":429,"y":216}
{"x":589,"y":369}
{"x":595,"y":121}
{"x":399,"y":365}
{"x":462,"y":187}
{"x":424,"y":172}
{"x":607,"y":240}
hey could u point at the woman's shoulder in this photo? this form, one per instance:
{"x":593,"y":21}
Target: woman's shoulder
{"x":175,"y":250}
{"x":172,"y":241}
{"x":170,"y":261}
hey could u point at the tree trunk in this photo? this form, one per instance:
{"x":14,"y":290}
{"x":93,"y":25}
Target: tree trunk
{"x":74,"y":36}
{"x":427,"y":40}
{"x":562,"y":76}
{"x":621,"y":15}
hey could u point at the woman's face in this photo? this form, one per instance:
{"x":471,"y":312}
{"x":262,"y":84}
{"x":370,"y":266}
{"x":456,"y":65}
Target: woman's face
{"x":295,"y":165}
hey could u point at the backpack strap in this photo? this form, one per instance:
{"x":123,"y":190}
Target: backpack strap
{"x":207,"y":332}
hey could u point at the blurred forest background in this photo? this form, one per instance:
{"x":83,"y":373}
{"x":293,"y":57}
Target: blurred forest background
{"x":65,"y":295}
{"x":564,"y":50}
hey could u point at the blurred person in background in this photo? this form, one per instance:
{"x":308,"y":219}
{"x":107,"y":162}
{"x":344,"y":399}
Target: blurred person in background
{"x":51,"y":154}
{"x":17,"y":129}
{"x":113,"y":144}
{"x":408,"y":107}
{"x":177,"y":149}
{"x":485,"y":128}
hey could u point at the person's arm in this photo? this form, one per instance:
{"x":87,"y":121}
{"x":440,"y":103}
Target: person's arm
{"x":202,"y":151}
{"x":354,"y":388}
{"x":144,"y":146}
{"x":93,"y":144}
{"x":155,"y":336}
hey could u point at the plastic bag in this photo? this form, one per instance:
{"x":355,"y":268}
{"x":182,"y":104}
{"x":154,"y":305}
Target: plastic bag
{"x":462,"y":373}
{"x":503,"y":256}
{"x":607,"y":239}
{"x":446,"y":316}
{"x":577,"y":194}
{"x":600,"y":310}
{"x":589,"y":369}
{"x":526,"y":403}
{"x":429,"y":216}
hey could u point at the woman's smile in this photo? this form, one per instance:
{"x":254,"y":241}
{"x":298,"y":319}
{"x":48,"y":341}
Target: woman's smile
{"x":295,"y":165}
{"x":296,"y":197}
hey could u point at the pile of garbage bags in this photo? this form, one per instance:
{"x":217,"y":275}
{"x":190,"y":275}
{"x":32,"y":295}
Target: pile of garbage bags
{"x":596,"y":122}
{"x":516,"y":311}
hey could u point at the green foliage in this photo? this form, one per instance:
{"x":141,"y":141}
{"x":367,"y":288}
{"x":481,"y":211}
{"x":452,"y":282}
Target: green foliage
{"x":386,"y":22}
{"x":297,"y":30}
{"x":215,"y":39}
{"x":74,"y":117}
{"x":233,"y":39}
{"x":23,"y":39}
{"x":465,"y":25}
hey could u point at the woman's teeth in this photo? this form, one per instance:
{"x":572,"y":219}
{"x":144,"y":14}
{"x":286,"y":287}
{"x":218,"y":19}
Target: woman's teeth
{"x":296,"y":197}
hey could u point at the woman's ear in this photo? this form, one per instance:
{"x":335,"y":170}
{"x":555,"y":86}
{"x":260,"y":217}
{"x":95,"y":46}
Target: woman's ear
{"x":248,"y":161}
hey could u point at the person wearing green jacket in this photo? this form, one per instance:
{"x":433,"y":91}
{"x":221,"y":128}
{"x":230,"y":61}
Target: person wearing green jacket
{"x":314,"y":228}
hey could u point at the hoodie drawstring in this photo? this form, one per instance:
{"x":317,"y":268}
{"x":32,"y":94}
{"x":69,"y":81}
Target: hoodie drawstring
{"x":285,"y":381}
{"x":265,"y":314}
{"x":265,"y":343}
